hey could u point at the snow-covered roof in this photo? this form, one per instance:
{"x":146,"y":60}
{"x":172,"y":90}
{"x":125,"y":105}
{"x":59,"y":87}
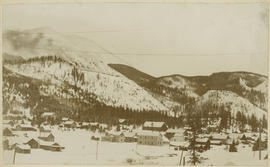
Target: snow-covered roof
{"x":204,"y":135}
{"x":23,"y":146}
{"x":47,"y":114}
{"x":65,"y":119}
{"x":203,"y":140}
{"x":8,"y":128}
{"x":129,"y":134}
{"x":212,"y":126}
{"x":49,"y":134}
{"x":215,"y":142}
{"x":187,"y":128}
{"x":93,"y":123}
{"x":45,"y":128}
{"x":69,"y":122}
{"x":179,"y":144}
{"x":175,"y":131}
{"x":103,"y":125}
{"x":165,"y":139}
{"x":18,"y":140}
{"x":25,"y":126}
{"x":7,"y":121}
{"x":178,"y":135}
{"x":13,"y":115}
{"x":219,"y":136}
{"x":153,"y":124}
{"x":149,"y":133}
{"x":46,"y":143}
{"x":85,"y":124}
{"x":33,"y":138}
{"x":116,"y":133}
{"x":122,"y":120}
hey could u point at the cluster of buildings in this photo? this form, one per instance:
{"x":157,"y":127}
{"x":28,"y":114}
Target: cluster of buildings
{"x":24,"y":137}
{"x":158,"y":134}
{"x":151,"y":133}
{"x":69,"y":123}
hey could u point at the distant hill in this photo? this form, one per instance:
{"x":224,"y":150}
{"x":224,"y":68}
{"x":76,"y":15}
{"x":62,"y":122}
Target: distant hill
{"x":248,"y":85}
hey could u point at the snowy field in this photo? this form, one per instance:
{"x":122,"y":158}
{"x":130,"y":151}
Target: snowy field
{"x":81,"y":150}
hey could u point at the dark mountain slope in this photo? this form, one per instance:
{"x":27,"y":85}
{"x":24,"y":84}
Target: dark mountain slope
{"x":132,"y":73}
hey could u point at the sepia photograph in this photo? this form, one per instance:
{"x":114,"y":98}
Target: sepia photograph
{"x":125,"y":83}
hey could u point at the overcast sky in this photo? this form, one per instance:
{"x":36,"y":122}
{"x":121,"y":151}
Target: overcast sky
{"x":162,"y":39}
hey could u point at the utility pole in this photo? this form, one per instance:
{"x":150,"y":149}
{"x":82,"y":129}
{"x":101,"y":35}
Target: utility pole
{"x":14,"y":155}
{"x":181,"y":158}
{"x":97,"y":151}
{"x":193,"y":153}
{"x":260,"y":152}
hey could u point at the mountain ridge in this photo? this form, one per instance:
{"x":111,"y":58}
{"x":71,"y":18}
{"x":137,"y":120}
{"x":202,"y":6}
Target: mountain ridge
{"x":117,"y":85}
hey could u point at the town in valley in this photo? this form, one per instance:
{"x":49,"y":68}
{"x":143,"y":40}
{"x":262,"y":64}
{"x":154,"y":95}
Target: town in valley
{"x":146,"y":84}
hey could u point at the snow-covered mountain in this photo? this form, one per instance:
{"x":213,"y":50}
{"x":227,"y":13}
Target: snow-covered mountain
{"x":110,"y":87}
{"x":61,"y":66}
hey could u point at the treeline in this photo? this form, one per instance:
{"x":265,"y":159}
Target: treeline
{"x":43,"y":59}
{"x":255,"y":97}
{"x":211,"y":112}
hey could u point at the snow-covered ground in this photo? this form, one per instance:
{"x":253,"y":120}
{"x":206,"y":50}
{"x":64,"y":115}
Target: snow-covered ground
{"x":220,"y":156}
{"x":81,"y":150}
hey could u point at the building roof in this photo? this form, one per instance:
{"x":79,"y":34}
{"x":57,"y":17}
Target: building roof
{"x":204,"y":135}
{"x":153,"y":124}
{"x":202,"y":140}
{"x":45,"y":128}
{"x":212,"y":126}
{"x":35,"y":139}
{"x":219,"y":137}
{"x":85,"y":124}
{"x":103,"y":125}
{"x":23,"y":146}
{"x":48,"y":114}
{"x":65,"y":119}
{"x":7,"y":121}
{"x":122,"y":120}
{"x":68,"y":122}
{"x":8,"y":128}
{"x":26,"y":126}
{"x":175,"y":131}
{"x":46,"y":143}
{"x":129,"y":134}
{"x":215,"y":142}
{"x":49,"y":134}
{"x":149,"y":133}
{"x":187,"y":128}
{"x":18,"y":140}
{"x":165,"y":139}
{"x":178,"y":135}
{"x":179,"y":144}
{"x":93,"y":123}
{"x":116,"y":133}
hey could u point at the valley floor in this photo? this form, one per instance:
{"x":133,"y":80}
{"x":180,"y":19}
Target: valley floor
{"x":81,"y":150}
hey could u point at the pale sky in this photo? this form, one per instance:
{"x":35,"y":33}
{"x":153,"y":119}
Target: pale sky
{"x":162,"y":39}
